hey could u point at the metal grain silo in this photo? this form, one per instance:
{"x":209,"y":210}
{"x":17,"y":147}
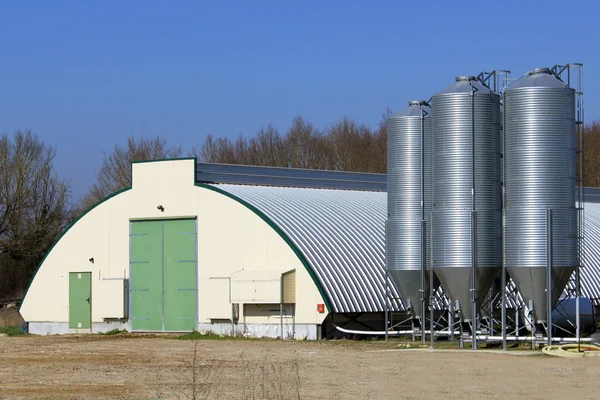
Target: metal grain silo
{"x":540,"y":175}
{"x":466,"y":188}
{"x":409,"y":201}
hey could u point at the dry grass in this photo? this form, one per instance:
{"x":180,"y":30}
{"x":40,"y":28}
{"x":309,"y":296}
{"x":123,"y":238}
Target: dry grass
{"x":156,"y":366}
{"x":271,"y":380}
{"x":10,"y":317}
{"x":199,"y":377}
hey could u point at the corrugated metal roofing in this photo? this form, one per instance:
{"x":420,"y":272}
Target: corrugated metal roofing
{"x":590,"y":270}
{"x":341,"y":234}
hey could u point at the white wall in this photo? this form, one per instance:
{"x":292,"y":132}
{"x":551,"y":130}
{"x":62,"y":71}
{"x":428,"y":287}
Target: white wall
{"x":230,"y":238}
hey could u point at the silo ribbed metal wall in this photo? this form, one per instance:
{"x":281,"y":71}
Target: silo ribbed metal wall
{"x":540,"y":174}
{"x":502,"y":142}
{"x":452,"y":177}
{"x":403,"y":229}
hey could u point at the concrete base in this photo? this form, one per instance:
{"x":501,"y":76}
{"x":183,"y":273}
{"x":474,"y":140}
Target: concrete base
{"x":49,"y":328}
{"x":62,"y":328}
{"x":303,"y":332}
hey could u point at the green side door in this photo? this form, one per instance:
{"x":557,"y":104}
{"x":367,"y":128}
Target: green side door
{"x":180,"y":280}
{"x":80,"y":300}
{"x":146,"y":276}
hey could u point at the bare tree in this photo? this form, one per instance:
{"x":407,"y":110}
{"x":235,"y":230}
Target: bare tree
{"x":219,"y":150}
{"x":270,"y":147}
{"x":33,"y":207}
{"x":591,"y":159}
{"x":209,"y":151}
{"x":344,"y":146}
{"x":266,"y":148}
{"x":379,"y":155}
{"x":115,"y":173}
{"x":351,"y":144}
{"x":306,"y":147}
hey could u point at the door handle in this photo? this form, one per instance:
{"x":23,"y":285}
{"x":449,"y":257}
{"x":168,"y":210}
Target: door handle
{"x":88,"y":299}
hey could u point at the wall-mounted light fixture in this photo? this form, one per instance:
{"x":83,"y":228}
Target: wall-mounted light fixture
{"x":92,"y":260}
{"x":161,"y":208}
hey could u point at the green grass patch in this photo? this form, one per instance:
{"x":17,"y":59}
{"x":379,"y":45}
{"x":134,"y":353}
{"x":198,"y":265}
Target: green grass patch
{"x":195,"y":335}
{"x":12,"y":331}
{"x":114,"y":332}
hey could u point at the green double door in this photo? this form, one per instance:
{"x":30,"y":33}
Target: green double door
{"x":163,"y":280}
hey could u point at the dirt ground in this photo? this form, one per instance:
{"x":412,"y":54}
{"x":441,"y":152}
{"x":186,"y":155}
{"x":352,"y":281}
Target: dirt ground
{"x":141,"y":367}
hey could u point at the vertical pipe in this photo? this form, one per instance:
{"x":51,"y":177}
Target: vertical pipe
{"x":503,"y":283}
{"x":423,"y":283}
{"x":232,"y":319}
{"x":385,"y":303}
{"x":294,"y":321}
{"x":577,"y":320}
{"x":549,"y":263}
{"x":581,"y":212}
{"x":412,"y":321}
{"x":281,"y":319}
{"x":473,"y":280}
{"x":530,"y":318}
{"x":495,"y":81}
{"x":451,"y":320}
{"x":423,"y":235}
{"x":460,"y":321}
{"x":473,"y":228}
{"x":503,"y":278}
{"x":516,"y":322}
{"x":491,"y":320}
{"x":431,"y":300}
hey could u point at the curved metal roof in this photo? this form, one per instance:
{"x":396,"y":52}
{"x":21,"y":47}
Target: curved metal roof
{"x":341,"y":234}
{"x":590,"y":270}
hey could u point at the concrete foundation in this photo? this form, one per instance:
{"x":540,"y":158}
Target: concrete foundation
{"x":302,"y":332}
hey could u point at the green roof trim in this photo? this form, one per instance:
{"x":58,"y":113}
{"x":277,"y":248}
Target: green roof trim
{"x":282,"y":234}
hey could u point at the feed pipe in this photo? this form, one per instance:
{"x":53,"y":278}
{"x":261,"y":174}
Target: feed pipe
{"x":447,"y":332}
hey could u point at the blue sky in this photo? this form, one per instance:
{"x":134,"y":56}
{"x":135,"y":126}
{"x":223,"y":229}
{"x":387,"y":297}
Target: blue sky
{"x":84,"y":75}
